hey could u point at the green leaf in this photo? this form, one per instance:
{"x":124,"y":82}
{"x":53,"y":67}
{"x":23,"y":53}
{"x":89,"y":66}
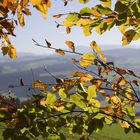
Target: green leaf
{"x":106,"y":3}
{"x":101,"y":28}
{"x":120,"y":7}
{"x":86,"y":11}
{"x":51,"y":98}
{"x":95,"y":125}
{"x":62,"y":136}
{"x":71,"y":19}
{"x":128,"y":36}
{"x":130,"y":111}
{"x":23,"y":130}
{"x":78,"y":100}
{"x":108,"y":120}
{"x":62,"y":93}
{"x":121,"y":19}
{"x":8,"y":133}
{"x":91,"y":92}
{"x":103,"y":10}
{"x":99,"y":116}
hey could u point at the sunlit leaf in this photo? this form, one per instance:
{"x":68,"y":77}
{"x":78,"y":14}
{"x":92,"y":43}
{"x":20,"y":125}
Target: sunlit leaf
{"x":95,"y":47}
{"x":91,"y":92}
{"x":70,"y":44}
{"x":38,"y":84}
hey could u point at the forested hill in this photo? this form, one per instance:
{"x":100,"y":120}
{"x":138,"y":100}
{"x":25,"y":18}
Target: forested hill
{"x":30,"y":66}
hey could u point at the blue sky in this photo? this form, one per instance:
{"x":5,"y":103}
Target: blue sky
{"x":39,"y":29}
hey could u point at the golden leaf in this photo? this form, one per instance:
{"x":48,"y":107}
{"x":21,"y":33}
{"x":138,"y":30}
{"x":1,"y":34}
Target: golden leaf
{"x":12,"y":52}
{"x":86,"y":78}
{"x":115,"y":100}
{"x":124,"y":124}
{"x":122,"y":82}
{"x":84,"y":21}
{"x":86,"y":59}
{"x":102,"y":57}
{"x":101,"y":90}
{"x":38,"y":84}
{"x":36,"y":2}
{"x":96,"y":13}
{"x":95,"y":103}
{"x":87,"y":30}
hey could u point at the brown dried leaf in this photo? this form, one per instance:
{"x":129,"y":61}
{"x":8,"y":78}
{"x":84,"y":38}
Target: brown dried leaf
{"x":70,"y":44}
{"x":60,"y":51}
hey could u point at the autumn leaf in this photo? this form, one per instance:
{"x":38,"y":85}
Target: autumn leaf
{"x":95,"y":47}
{"x":124,"y":124}
{"x":115,"y":100}
{"x":121,"y":71}
{"x":60,"y":51}
{"x":36,"y":2}
{"x":5,"y":50}
{"x":38,"y":84}
{"x":95,"y":103}
{"x":12,"y":52}
{"x":86,"y":78}
{"x":102,"y":57}
{"x":68,"y":30}
{"x":70,"y":44}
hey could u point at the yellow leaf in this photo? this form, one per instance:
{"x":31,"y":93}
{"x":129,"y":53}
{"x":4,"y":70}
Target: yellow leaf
{"x":21,"y":20}
{"x":83,"y":76}
{"x":86,"y":78}
{"x":36,"y":2}
{"x":95,"y":47}
{"x":12,"y":52}
{"x":98,"y":30}
{"x":84,"y":21}
{"x":122,"y":82}
{"x":122,"y":28}
{"x":67,"y":23}
{"x":124,"y":124}
{"x":60,"y":108}
{"x":115,"y":100}
{"x":87,"y":59}
{"x":85,"y":63}
{"x":87,"y":30}
{"x":95,"y":103}
{"x":88,"y":56}
{"x":106,"y":3}
{"x":102,"y":57}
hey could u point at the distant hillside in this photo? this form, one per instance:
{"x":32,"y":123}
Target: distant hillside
{"x":29,"y":66}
